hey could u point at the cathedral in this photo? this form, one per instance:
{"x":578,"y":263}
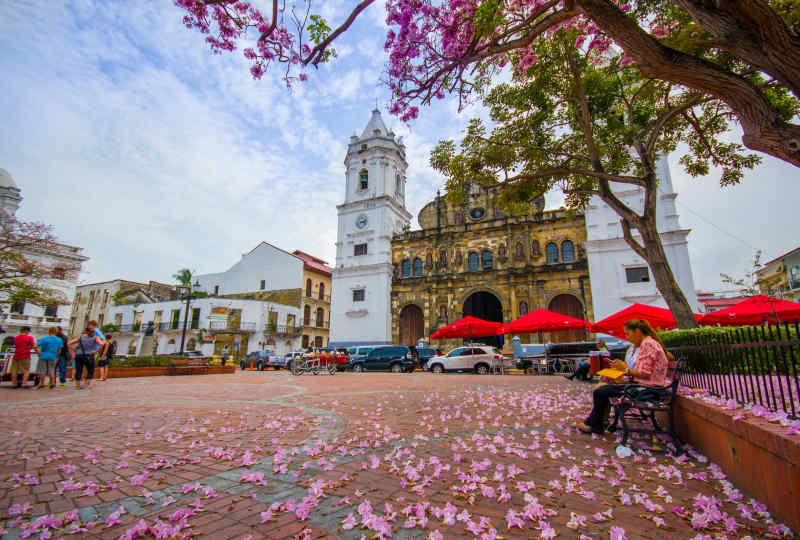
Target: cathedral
{"x":396,"y":285}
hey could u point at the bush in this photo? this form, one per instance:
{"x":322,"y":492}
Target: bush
{"x":144,"y":361}
{"x":757,"y":359}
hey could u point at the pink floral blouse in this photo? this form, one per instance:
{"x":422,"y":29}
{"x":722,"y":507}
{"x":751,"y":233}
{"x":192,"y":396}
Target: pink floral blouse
{"x":653,"y":361}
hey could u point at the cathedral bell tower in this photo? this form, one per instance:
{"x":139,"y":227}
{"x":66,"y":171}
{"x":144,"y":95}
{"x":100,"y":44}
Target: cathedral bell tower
{"x":373,"y":211}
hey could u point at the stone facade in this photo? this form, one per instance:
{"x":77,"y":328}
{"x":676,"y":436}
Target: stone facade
{"x":436,"y":272}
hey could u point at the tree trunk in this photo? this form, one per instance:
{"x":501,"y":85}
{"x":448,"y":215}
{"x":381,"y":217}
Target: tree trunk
{"x":665,"y":280}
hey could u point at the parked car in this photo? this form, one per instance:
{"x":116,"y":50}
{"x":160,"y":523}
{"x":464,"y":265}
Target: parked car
{"x":289,"y":358}
{"x":359,"y":353}
{"x":423,"y":355}
{"x":260,"y":359}
{"x":475,"y":358}
{"x":394,"y":358}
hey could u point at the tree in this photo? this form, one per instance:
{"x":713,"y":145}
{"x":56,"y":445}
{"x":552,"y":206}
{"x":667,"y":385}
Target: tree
{"x":589,"y":127}
{"x":184,"y":277}
{"x":745,"y":53}
{"x":26,"y":268}
{"x":747,"y":285}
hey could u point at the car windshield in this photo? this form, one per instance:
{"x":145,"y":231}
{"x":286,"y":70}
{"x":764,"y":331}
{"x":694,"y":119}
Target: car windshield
{"x":455,"y":352}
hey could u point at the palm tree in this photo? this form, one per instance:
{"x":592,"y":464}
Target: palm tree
{"x":184,"y":277}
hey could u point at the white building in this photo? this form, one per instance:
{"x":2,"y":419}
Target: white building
{"x":251,"y":325}
{"x":93,"y":301}
{"x":619,"y":277}
{"x":373,"y":210}
{"x":65,"y":262}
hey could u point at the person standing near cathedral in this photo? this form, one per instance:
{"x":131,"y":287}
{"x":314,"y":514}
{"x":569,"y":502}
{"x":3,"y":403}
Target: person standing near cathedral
{"x":50,"y":350}
{"x":21,"y":361}
{"x":64,"y":359}
{"x":105,"y":359}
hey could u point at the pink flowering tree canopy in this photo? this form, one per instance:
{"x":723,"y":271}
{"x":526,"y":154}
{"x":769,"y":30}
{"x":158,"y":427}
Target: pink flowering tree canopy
{"x":745,"y":52}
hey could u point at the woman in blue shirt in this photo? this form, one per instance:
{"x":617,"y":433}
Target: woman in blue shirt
{"x":49,"y":349}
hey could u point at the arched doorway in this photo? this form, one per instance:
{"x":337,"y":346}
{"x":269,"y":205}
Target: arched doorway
{"x":484,"y":305}
{"x":566,"y":304}
{"x":412,"y":325}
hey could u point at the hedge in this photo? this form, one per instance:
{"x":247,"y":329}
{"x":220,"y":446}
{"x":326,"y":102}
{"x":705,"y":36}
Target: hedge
{"x":757,"y":360}
{"x":144,"y":361}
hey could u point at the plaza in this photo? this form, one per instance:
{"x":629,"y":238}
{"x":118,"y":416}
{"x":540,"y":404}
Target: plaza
{"x":268,"y":455}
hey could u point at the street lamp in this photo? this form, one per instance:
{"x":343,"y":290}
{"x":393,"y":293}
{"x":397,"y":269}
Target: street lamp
{"x":186,"y":294}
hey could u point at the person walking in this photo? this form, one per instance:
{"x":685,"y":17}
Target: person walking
{"x":87,"y":346}
{"x":106,"y":357}
{"x":49,"y":351}
{"x":64,"y":358}
{"x":21,"y":361}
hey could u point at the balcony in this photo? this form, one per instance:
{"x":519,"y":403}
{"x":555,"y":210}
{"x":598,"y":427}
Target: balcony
{"x":326,"y":298}
{"x":312,"y":323}
{"x":222,"y":327}
{"x":282,"y":330}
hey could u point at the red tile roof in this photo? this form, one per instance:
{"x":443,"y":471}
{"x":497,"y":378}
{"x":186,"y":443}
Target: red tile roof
{"x":312,"y":263}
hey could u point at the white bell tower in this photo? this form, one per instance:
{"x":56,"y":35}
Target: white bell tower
{"x":373,"y":211}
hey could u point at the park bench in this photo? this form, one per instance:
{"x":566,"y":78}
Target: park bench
{"x":643,"y":411}
{"x":188,"y":366}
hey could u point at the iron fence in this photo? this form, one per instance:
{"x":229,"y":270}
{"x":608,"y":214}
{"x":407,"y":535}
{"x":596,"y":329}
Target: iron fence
{"x":757,"y":364}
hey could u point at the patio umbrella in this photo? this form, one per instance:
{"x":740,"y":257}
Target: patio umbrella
{"x":755,"y":310}
{"x":543,"y":320}
{"x":659,"y":319}
{"x":468,"y":327}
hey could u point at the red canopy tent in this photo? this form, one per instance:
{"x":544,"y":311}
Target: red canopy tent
{"x":756,"y":310}
{"x":659,"y":318}
{"x":542,"y":320}
{"x":468,"y":327}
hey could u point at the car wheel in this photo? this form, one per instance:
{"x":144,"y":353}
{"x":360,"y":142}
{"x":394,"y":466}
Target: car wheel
{"x":397,"y":368}
{"x":437,"y":368}
{"x":358,"y":368}
{"x":481,"y":369}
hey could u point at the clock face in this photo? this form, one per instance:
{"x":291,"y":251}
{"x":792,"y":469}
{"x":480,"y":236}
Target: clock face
{"x":361,"y":221}
{"x":477,"y":213}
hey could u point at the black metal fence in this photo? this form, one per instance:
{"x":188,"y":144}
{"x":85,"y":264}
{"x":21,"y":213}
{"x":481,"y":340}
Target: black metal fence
{"x":757,"y":364}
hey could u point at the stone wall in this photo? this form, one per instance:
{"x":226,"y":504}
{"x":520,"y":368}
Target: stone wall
{"x":287,"y":297}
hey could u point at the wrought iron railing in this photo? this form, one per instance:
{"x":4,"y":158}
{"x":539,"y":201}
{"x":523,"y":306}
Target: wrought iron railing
{"x":322,"y":298}
{"x":282,"y":329}
{"x":758,"y":365}
{"x":225,"y":325}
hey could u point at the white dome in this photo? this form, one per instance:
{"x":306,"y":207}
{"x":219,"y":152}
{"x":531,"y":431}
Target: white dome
{"x":6,"y":180}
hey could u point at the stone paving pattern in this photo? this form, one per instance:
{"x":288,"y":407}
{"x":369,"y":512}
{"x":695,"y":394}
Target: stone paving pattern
{"x":268,"y":455}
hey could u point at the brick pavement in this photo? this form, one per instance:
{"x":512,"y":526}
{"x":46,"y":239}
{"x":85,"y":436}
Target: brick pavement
{"x":268,"y":455}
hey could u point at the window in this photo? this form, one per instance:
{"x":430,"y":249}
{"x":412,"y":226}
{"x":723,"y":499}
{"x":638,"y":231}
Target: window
{"x":457,"y":352}
{"x":363,"y":179}
{"x":308,"y":288}
{"x":263,"y":284}
{"x":322,"y":291}
{"x":567,"y":251}
{"x":519,"y":250}
{"x":360,"y":249}
{"x":443,"y":257}
{"x":105,"y":298}
{"x":428,"y":260}
{"x":307,"y":316}
{"x":174,"y":318}
{"x":535,"y":248}
{"x":639,"y":274}
{"x":486,"y":260}
{"x":51,"y":310}
{"x":405,"y":268}
{"x":18,"y":307}
{"x":399,"y":186}
{"x":417,"y":267}
{"x":443,"y":312}
{"x":320,"y":318}
{"x":501,"y":252}
{"x":318,"y":341}
{"x":118,"y":320}
{"x":305,"y":342}
{"x":216,"y":289}
{"x":473,"y":262}
{"x":551,"y":252}
{"x":477,"y":213}
{"x":523,"y":308}
{"x":195,"y":318}
{"x":358,"y":295}
{"x":59,"y":272}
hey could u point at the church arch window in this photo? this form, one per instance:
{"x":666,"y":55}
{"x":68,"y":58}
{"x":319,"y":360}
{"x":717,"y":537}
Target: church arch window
{"x":523,"y":308}
{"x":363,"y":179}
{"x":567,"y":251}
{"x":487,"y":260}
{"x":405,"y":268}
{"x":428,"y":260}
{"x":308,"y":288}
{"x":307,"y":315}
{"x":473,"y":262}
{"x":551,"y":252}
{"x":501,"y":252}
{"x":459,"y":259}
{"x":417,"y":267}
{"x":535,"y":250}
{"x":443,"y":312}
{"x":519,"y":250}
{"x":443,"y":257}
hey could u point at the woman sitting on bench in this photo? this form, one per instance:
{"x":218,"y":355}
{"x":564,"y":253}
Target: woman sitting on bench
{"x":651,"y":370}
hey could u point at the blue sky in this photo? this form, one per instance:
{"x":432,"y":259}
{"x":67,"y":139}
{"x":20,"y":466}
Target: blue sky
{"x":138,"y":144}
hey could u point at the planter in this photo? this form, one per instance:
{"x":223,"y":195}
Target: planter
{"x":153,"y":371}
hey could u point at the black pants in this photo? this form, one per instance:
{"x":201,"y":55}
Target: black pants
{"x":82,"y":361}
{"x":601,"y":397}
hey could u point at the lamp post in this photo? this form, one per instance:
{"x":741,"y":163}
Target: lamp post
{"x":186,"y":294}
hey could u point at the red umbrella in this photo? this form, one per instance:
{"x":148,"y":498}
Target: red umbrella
{"x":755,"y":310}
{"x":659,"y":318}
{"x":542,"y":320}
{"x":468,"y":327}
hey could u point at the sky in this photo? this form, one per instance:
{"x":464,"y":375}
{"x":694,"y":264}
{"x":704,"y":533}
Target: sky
{"x":136,"y":143}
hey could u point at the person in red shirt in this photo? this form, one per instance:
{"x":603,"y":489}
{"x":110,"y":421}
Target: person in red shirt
{"x":21,"y":362}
